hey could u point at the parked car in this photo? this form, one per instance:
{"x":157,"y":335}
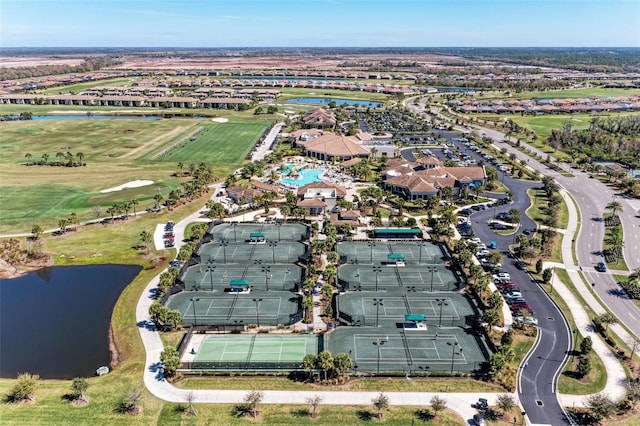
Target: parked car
{"x":526,"y":320}
{"x":478,"y":420}
{"x":521,"y":265}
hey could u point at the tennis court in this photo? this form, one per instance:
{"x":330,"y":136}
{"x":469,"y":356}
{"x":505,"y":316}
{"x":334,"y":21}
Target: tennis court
{"x":377,"y":252}
{"x":270,"y":252}
{"x":217,"y":278}
{"x":260,"y":308}
{"x":381,"y":278}
{"x":255,"y":351}
{"x":449,"y":351}
{"x":241,"y":232}
{"x":446,"y":310}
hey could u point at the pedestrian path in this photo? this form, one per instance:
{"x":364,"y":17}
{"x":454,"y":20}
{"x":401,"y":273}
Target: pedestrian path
{"x":615,"y":373}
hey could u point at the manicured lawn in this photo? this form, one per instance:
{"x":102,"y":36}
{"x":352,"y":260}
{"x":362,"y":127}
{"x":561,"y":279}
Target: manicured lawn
{"x":539,"y":202}
{"x":417,"y":384}
{"x":596,"y":380}
{"x":77,"y":88}
{"x":115,"y":152}
{"x":329,"y":415}
{"x":218,"y":143}
{"x":579,"y":93}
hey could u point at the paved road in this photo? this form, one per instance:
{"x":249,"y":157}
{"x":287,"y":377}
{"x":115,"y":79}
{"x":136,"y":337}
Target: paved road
{"x":592,"y":196}
{"x":547,"y":358}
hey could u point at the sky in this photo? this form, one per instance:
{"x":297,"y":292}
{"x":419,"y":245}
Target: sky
{"x":319,"y":23}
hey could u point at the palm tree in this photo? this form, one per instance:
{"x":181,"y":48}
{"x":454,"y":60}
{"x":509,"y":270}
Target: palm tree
{"x":134,"y":203}
{"x":45,"y":158}
{"x":325,"y":362}
{"x":634,"y":275}
{"x":614,"y":207}
{"x":307,"y":305}
{"x":28,"y":156}
{"x":80,"y":157}
{"x":616,"y":241}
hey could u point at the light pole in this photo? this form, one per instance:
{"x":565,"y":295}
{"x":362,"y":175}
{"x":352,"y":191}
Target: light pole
{"x":377,"y":303}
{"x":278,"y":225}
{"x":257,"y":310}
{"x":266,"y":270}
{"x":431,"y":269}
{"x":210,"y":269}
{"x":420,"y":245}
{"x":453,"y":353}
{"x":371,"y":246}
{"x":273,"y":245}
{"x":441,"y":302}
{"x":377,"y":270}
{"x":379,"y":343}
{"x":224,"y":245}
{"x":195,"y":317}
{"x":235,"y":236}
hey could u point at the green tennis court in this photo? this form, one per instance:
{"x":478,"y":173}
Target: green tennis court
{"x":217,"y":278}
{"x":367,"y":309}
{"x":375,"y":350}
{"x":256,"y":347}
{"x":269,"y":252}
{"x":377,"y":252}
{"x":380,"y":278}
{"x":241,"y":232}
{"x":260,"y":308}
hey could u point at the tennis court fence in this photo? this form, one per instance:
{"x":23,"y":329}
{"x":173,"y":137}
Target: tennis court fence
{"x":240,"y":365}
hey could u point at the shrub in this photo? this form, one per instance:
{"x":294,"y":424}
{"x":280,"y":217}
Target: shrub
{"x":24,"y":388}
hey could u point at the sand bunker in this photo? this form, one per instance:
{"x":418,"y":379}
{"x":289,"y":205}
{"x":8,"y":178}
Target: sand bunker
{"x":220,"y":119}
{"x":132,"y":184}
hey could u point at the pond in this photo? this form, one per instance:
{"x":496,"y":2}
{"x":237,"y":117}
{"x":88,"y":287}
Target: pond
{"x":55,"y":321}
{"x":338,"y":101}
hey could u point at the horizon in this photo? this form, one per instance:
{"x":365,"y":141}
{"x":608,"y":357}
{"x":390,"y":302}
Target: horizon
{"x":320,"y":24}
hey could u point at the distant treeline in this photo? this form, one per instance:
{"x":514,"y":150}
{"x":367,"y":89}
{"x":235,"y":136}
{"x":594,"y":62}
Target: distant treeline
{"x":89,"y":64}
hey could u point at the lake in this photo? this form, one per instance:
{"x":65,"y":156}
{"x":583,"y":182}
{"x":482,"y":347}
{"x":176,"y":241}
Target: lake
{"x":326,"y":101}
{"x":55,"y":321}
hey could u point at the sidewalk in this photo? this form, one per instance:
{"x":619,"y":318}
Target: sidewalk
{"x":615,"y":373}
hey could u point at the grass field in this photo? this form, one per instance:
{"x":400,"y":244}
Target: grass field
{"x":218,"y":143}
{"x":115,"y":152}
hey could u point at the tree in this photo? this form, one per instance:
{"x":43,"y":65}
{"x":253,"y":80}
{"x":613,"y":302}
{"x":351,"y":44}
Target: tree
{"x":505,"y":403}
{"x":607,"y":319}
{"x":586,"y":345}
{"x":600,"y":405}
{"x":191,"y":397}
{"x":497,"y":362}
{"x":437,"y":404}
{"x":342,"y":363}
{"x":78,"y":387}
{"x":547,"y":274}
{"x":171,"y":359}
{"x":309,"y":363}
{"x":134,"y":203}
{"x":36,"y":231}
{"x":24,"y":388}
{"x":252,"y":399}
{"x":507,"y":338}
{"x":314,"y":401}
{"x":584,"y":366}
{"x":307,"y":305}
{"x":145,"y":239}
{"x":539,"y":266}
{"x":381,"y":402}
{"x":614,"y":207}
{"x":129,"y":403}
{"x":491,"y":317}
{"x":495,"y":300}
{"x":325,"y":362}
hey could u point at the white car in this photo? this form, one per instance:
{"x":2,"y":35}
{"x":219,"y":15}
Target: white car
{"x":526,"y":320}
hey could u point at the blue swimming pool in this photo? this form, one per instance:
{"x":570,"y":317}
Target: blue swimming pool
{"x":304,"y":176}
{"x":326,"y":101}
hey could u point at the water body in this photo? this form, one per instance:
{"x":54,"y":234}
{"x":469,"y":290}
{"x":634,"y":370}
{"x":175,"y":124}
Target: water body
{"x":456,"y":89}
{"x":55,"y":321}
{"x":338,"y":101}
